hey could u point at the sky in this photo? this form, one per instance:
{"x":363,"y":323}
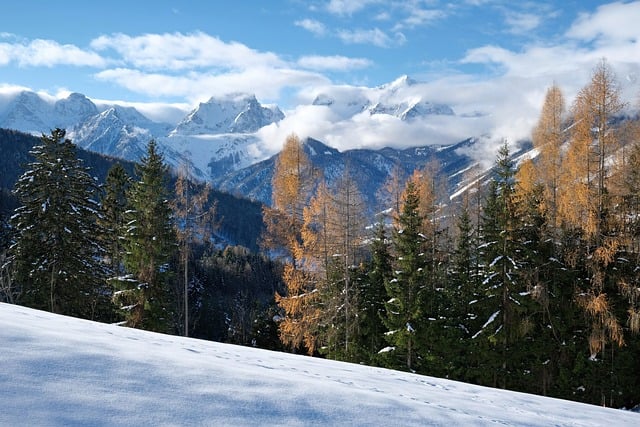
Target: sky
{"x":59,"y":370}
{"x":490,"y":59}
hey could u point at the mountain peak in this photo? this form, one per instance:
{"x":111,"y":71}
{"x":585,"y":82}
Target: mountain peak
{"x":231,"y":113}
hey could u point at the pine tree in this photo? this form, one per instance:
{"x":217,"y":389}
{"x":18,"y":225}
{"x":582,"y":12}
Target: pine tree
{"x":56,"y":255}
{"x":150,"y":244}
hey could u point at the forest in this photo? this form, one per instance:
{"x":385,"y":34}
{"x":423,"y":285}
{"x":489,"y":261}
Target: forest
{"x":529,"y":281}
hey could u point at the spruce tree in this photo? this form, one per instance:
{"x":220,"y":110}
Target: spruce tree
{"x":56,"y":254}
{"x":112,"y":208}
{"x":403,"y":308}
{"x":150,"y":244}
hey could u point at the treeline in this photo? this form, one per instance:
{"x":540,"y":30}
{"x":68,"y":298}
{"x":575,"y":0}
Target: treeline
{"x":142,"y":248}
{"x":531,"y":283}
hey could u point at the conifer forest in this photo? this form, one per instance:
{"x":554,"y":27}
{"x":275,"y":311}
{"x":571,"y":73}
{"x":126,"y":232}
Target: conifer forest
{"x":529,"y":280}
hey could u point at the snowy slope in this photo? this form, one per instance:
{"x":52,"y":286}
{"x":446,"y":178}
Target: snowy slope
{"x":62,"y":371}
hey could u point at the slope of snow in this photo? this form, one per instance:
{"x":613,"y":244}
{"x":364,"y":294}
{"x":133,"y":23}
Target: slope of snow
{"x":58,"y":370}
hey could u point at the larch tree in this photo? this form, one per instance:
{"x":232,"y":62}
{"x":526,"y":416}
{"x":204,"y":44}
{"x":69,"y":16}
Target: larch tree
{"x":593,"y":141}
{"x":150,"y":244}
{"x":57,"y":258}
{"x":291,"y":186}
{"x":548,"y":136}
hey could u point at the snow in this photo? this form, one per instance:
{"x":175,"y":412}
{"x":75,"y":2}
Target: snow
{"x":59,"y":370}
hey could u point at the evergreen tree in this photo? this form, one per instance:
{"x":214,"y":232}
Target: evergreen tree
{"x":403,"y":308}
{"x":373,"y":295}
{"x":150,"y":244}
{"x":56,"y":255}
{"x":501,"y":305}
{"x":112,"y":220}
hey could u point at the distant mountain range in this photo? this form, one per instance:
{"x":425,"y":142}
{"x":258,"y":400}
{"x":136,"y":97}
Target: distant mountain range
{"x":219,"y":136}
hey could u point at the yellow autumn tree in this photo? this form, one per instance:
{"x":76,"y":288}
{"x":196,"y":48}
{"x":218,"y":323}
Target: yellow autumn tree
{"x":585,"y":204}
{"x":548,"y":136}
{"x":292,"y":182}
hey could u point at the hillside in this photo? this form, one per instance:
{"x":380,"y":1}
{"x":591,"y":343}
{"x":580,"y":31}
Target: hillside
{"x":59,"y":370}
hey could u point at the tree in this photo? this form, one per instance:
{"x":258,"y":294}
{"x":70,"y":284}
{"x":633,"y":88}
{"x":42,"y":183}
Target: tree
{"x":56,"y":255}
{"x":194,"y":215}
{"x":403,"y":308}
{"x":588,"y":208}
{"x":291,"y":186}
{"x":291,"y":189}
{"x":112,"y":219}
{"x":373,"y":294}
{"x":502,"y":305}
{"x":150,"y":244}
{"x":548,"y":137}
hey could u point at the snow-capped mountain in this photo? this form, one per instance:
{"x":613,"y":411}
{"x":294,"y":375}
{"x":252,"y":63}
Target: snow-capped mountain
{"x":235,"y":113}
{"x":220,"y":137}
{"x":31,"y":113}
{"x":216,"y":136}
{"x":118,"y":131}
{"x":395,"y":99}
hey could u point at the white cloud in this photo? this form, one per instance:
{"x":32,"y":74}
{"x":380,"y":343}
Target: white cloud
{"x":265,"y":83}
{"x":418,"y":17}
{"x":337,"y":62}
{"x":313,"y":26}
{"x":522,"y":23}
{"x":348,"y":7}
{"x":374,"y":36}
{"x":614,"y":22}
{"x":47,"y":53}
{"x":177,"y":52}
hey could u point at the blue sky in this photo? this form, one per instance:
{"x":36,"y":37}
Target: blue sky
{"x":485,"y":56}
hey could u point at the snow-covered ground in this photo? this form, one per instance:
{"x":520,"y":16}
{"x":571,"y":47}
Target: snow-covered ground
{"x":56,"y":370}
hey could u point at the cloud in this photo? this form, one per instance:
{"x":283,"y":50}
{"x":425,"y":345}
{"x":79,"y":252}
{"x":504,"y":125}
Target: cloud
{"x":47,"y":53}
{"x":418,"y":17}
{"x":348,"y":7}
{"x":614,"y":22}
{"x":313,"y":26}
{"x":336,"y":62}
{"x":373,"y":36}
{"x":177,"y":52}
{"x":265,"y":83}
{"x":522,"y":23}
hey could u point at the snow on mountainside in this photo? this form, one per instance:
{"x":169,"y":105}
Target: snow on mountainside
{"x":220,"y":136}
{"x":29,"y":112}
{"x":394,"y":99}
{"x":236,"y":113}
{"x":118,"y":131}
{"x":59,"y":370}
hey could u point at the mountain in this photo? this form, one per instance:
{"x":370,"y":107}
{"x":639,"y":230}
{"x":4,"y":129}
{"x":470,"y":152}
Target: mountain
{"x":239,"y":219}
{"x":369,"y":168}
{"x":118,"y":131}
{"x":219,"y":137}
{"x":215,"y":136}
{"x":235,"y":113}
{"x":60,"y":370}
{"x":396,"y":99}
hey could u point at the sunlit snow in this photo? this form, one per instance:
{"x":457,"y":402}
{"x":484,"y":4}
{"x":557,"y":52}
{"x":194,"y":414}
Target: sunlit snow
{"x":62,"y":371}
